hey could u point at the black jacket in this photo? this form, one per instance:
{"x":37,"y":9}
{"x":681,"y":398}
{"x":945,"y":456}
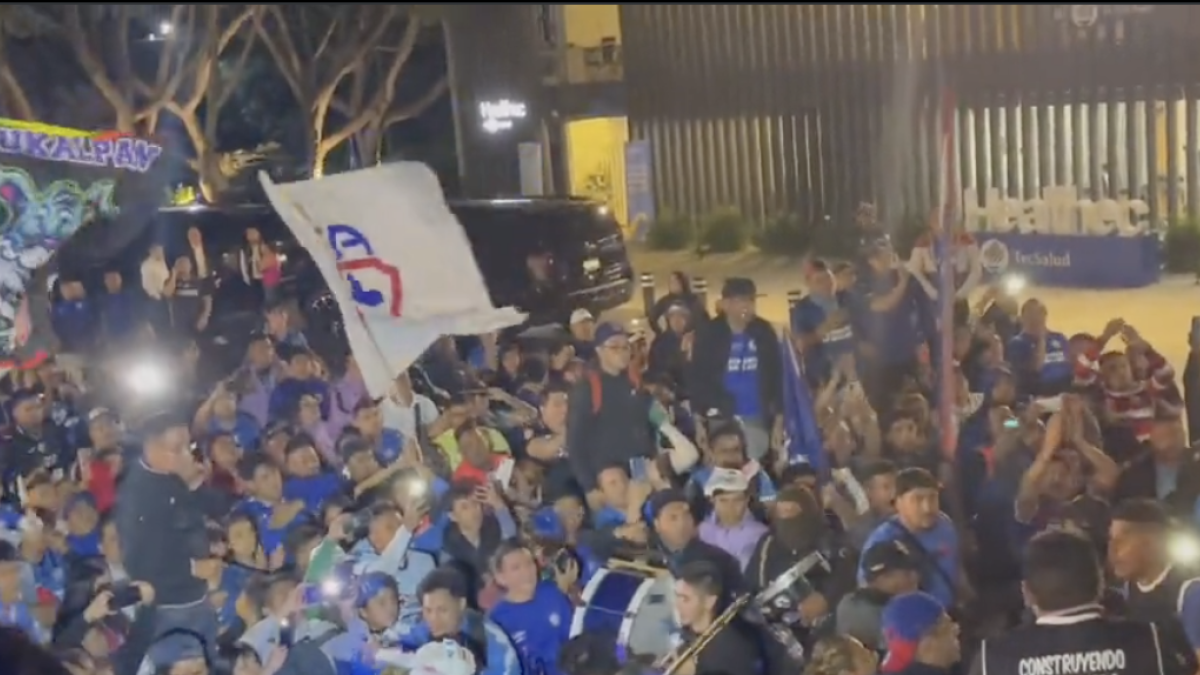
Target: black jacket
{"x":710,"y":359}
{"x":153,"y":508}
{"x":667,"y":358}
{"x":471,"y":561}
{"x":609,"y":433}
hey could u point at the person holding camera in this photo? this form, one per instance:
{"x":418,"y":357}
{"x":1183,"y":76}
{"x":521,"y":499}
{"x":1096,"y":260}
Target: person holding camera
{"x":105,"y":624}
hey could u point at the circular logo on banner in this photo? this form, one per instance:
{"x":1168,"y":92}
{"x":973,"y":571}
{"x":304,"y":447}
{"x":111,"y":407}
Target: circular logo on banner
{"x":1085,"y":16}
{"x":994,"y":255}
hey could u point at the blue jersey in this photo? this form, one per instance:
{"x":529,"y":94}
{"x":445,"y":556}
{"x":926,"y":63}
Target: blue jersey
{"x":538,"y":628}
{"x":941,"y":545}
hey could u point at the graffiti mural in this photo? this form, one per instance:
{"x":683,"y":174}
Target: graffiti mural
{"x":53,"y":183}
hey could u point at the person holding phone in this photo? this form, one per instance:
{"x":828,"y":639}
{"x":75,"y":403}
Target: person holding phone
{"x":156,"y":505}
{"x":480,"y":522}
{"x":535,"y":614}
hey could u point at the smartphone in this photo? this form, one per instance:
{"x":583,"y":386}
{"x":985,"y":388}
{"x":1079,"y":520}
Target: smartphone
{"x":503,"y":473}
{"x":287,"y":634}
{"x":638,"y":469}
{"x":563,"y":560}
{"x":124,"y":595}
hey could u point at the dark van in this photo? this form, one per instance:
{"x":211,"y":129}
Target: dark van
{"x":589,"y":265}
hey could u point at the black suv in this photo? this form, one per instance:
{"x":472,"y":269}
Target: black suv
{"x":589,"y":265}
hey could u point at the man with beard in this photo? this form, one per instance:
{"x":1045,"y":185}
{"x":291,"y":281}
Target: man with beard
{"x":798,"y":529}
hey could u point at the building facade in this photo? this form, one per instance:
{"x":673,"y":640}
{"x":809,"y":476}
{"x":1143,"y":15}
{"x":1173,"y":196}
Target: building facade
{"x":810,"y":109}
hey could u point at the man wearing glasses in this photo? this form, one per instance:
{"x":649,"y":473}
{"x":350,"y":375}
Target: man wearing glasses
{"x":607,"y":416}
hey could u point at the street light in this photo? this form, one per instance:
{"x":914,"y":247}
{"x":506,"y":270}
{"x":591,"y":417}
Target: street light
{"x":165,"y":28}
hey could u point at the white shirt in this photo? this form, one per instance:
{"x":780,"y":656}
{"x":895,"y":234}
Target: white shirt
{"x":201,"y":261}
{"x":154,"y":277}
{"x":251,"y":263}
{"x":403,"y":418}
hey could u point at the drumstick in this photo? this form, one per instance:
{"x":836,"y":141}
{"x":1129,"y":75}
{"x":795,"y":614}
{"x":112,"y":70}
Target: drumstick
{"x":633,"y":566}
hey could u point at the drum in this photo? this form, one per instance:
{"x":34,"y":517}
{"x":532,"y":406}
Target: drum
{"x":637,"y":608}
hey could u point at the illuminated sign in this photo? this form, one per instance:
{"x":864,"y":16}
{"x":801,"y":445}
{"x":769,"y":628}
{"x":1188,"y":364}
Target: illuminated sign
{"x":502,"y":115}
{"x":1060,"y":211}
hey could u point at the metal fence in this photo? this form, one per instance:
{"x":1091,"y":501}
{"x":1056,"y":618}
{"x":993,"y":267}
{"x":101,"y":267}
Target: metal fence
{"x":810,"y":109}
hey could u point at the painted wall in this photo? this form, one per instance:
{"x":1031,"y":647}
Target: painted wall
{"x":596,"y":162}
{"x":587,"y":25}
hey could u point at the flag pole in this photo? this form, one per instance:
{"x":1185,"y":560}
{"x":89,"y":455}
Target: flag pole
{"x":948,"y":218}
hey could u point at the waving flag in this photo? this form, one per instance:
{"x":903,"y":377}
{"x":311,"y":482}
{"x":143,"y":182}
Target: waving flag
{"x":396,"y":259}
{"x":804,"y":444}
{"x":53,"y":181}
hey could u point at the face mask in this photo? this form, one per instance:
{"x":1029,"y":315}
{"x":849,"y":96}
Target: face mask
{"x":799,"y":533}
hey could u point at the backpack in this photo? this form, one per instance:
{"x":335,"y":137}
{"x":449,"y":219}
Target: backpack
{"x":593,"y":378}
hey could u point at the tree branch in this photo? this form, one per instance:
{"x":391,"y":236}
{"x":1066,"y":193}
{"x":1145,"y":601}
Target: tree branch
{"x":418,"y":106}
{"x":207,"y":58}
{"x":283,"y":51}
{"x":385,"y":94}
{"x":93,"y":66}
{"x":14,"y":95}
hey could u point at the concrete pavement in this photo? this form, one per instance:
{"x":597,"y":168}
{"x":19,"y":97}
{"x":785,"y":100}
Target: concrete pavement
{"x":1162,"y":313}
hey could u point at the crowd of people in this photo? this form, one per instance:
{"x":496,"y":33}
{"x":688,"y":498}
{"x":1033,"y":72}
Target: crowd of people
{"x":595,"y":499}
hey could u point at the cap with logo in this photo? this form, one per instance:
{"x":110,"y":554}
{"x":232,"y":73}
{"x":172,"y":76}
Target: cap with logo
{"x":888,"y":556}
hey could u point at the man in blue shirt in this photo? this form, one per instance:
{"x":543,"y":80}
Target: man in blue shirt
{"x":535,"y":614}
{"x":821,"y":325}
{"x":737,"y":369}
{"x":444,"y":615}
{"x":388,"y":549}
{"x":300,"y":380}
{"x":73,"y":318}
{"x":895,"y":322}
{"x":1039,"y":356}
{"x":921,"y":526}
{"x":118,"y":313}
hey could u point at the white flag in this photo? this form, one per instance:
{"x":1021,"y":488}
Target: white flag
{"x":396,"y":260}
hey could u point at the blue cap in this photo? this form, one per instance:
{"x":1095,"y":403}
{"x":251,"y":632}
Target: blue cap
{"x":906,"y":620}
{"x":607,"y":331}
{"x":372,"y":584}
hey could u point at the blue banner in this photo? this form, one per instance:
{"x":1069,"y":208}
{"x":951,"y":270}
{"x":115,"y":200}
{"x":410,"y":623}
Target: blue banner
{"x":803,"y":443}
{"x":1072,"y":261}
{"x":639,"y":188}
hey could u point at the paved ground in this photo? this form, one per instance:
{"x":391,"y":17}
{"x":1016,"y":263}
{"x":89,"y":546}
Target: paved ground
{"x":1162,"y":313}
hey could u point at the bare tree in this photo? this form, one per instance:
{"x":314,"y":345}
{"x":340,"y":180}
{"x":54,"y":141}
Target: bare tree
{"x":102,"y":37}
{"x":16,"y":21}
{"x":209,"y":81}
{"x":317,"y":47}
{"x":352,"y":102}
